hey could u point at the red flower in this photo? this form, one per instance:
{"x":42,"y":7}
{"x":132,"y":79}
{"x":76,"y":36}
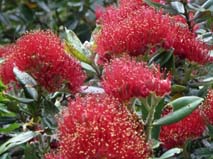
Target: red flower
{"x":175,"y":135}
{"x":125,"y":78}
{"x":51,"y":156}
{"x":99,"y":127}
{"x":134,"y":28}
{"x":6,"y":50}
{"x":41,"y":54}
{"x":207,"y":108}
{"x":127,"y":3}
{"x":99,"y":11}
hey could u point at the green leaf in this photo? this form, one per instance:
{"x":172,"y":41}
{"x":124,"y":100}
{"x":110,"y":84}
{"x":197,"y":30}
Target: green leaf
{"x":91,"y":90}
{"x":160,"y":6}
{"x":27,"y":82}
{"x":2,"y":86}
{"x":183,"y":107}
{"x":48,"y":115}
{"x":23,"y":77}
{"x":203,"y":153}
{"x":74,"y":47}
{"x":6,"y":120}
{"x":9,"y":128}
{"x":185,"y":101}
{"x":87,"y":67}
{"x":158,"y":112}
{"x":3,"y":98}
{"x":210,"y":130}
{"x":205,"y":6}
{"x":21,"y":100}
{"x":27,"y":13}
{"x":5,"y":156}
{"x":5,"y":112}
{"x":178,"y":6}
{"x":170,"y":153}
{"x":155,"y":143}
{"x":17,"y":140}
{"x":162,"y":57}
{"x":178,"y":88}
{"x":31,"y":151}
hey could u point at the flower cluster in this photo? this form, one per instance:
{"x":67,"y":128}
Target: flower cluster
{"x":7,"y":49}
{"x":135,"y":3}
{"x":125,"y":78}
{"x":207,"y":108}
{"x":99,"y":127}
{"x":133,"y":28}
{"x":175,"y":135}
{"x":41,"y":54}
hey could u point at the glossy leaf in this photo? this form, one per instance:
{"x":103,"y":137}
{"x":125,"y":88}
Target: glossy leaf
{"x":5,"y":112}
{"x":6,"y":120}
{"x":178,"y":6}
{"x":2,"y":86}
{"x":185,"y":101}
{"x":155,"y":143}
{"x":183,"y":107}
{"x":21,"y":100}
{"x":203,"y":153}
{"x":160,"y":6}
{"x":170,"y":153}
{"x":9,"y":128}
{"x":17,"y":140}
{"x":27,"y":82}
{"x":210,"y":130}
{"x":178,"y":88}
{"x":158,"y":112}
{"x":162,"y":57}
{"x":74,"y":47}
{"x":91,"y":90}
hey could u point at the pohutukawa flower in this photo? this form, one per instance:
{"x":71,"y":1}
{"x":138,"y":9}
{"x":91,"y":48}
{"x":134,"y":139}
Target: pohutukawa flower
{"x":175,"y":135}
{"x":52,"y":156}
{"x":41,"y":54}
{"x":132,"y":29}
{"x":99,"y":127}
{"x":7,"y":50}
{"x":125,"y":78}
{"x":207,"y":108}
{"x":127,"y":3}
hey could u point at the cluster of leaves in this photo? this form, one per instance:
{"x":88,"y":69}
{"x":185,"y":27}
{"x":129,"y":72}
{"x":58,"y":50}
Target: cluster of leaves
{"x":21,"y":111}
{"x":202,"y":15}
{"x":28,"y":116}
{"x":19,"y":16}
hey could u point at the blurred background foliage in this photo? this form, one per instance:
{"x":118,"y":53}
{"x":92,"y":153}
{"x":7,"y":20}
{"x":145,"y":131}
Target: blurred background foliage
{"x":17,"y":112}
{"x":19,"y":16}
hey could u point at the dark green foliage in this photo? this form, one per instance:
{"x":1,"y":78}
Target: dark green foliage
{"x":19,"y":16}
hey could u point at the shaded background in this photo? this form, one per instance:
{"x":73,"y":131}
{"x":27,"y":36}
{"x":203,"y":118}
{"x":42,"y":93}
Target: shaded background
{"x":19,"y":16}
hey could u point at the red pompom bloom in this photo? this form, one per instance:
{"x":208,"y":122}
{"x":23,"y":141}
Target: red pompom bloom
{"x":127,"y":3}
{"x":99,"y":127}
{"x":7,"y":50}
{"x":52,"y":156}
{"x":133,"y":28}
{"x":175,"y":135}
{"x":207,"y":108}
{"x":125,"y":78}
{"x":42,"y":55}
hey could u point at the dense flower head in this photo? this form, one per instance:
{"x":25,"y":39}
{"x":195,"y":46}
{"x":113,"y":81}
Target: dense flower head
{"x":207,"y":108}
{"x":125,"y":78}
{"x":7,"y":50}
{"x":127,"y":3}
{"x":175,"y":135}
{"x":99,"y":127}
{"x":134,"y":28}
{"x":41,"y":54}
